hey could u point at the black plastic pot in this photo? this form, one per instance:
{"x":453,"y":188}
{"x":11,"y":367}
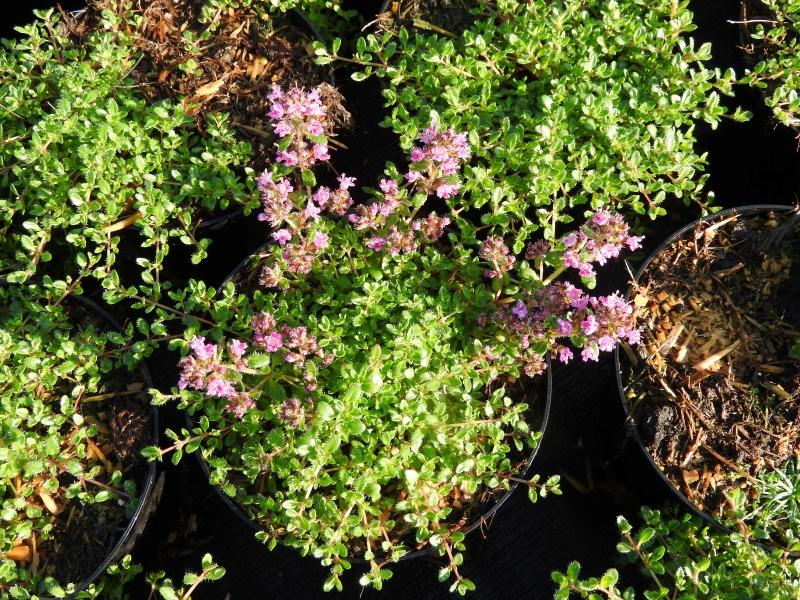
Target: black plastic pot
{"x":630,"y":425}
{"x":150,"y":487}
{"x":538,"y":413}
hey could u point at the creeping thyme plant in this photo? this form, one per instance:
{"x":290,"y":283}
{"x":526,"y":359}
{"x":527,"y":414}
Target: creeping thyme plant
{"x":682,"y":557}
{"x":566,"y":104}
{"x":777,"y":69}
{"x":84,"y":161}
{"x":361,"y":380}
{"x":59,"y":453}
{"x":117,"y":581}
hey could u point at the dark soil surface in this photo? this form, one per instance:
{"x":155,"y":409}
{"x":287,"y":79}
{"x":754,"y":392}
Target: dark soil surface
{"x":715,"y":394}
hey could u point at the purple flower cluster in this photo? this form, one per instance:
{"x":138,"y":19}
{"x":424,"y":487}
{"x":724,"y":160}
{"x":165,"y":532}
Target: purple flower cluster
{"x":540,"y":318}
{"x":292,"y":412}
{"x":561,"y":310}
{"x":431,"y":226}
{"x":219,"y":370}
{"x":374,"y":216}
{"x":206,"y":369}
{"x":602,"y":238}
{"x":435,"y":163}
{"x":299,"y":118}
{"x":275,"y":199}
{"x":292,"y":209}
{"x":295,"y":344}
{"x":335,"y":201}
{"x":494,"y":250}
{"x":433,"y":169}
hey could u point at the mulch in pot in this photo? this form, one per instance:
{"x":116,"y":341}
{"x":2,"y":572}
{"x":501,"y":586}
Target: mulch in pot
{"x":715,"y":395}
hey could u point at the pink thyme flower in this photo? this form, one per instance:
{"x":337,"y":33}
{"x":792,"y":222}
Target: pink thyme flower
{"x":533,"y":365}
{"x":321,"y":196}
{"x":367,"y":217}
{"x":288,"y":158}
{"x":564,"y":327}
{"x":282,"y":236}
{"x":202,"y":351}
{"x":345,"y":182}
{"x":376,"y":243}
{"x":606,"y":343}
{"x":340,"y":199}
{"x":564,"y":354}
{"x":431,"y":226}
{"x":537,"y":250}
{"x":321,"y":152}
{"x":270,"y":276}
{"x":291,"y":412}
{"x":446,"y":190}
{"x":434,"y":164}
{"x":388,"y":187}
{"x":494,"y":250}
{"x":589,"y":325}
{"x":520,"y":310}
{"x":590,"y":353}
{"x":299,"y":339}
{"x":300,"y":116}
{"x":263,"y":324}
{"x":600,"y":239}
{"x":298,"y":258}
{"x":320,"y":240}
{"x":236,"y":349}
{"x":220,"y":388}
{"x":200,"y":367}
{"x":443,"y":149}
{"x":273,"y":342}
{"x":274,"y":199}
{"x":401,"y":241}
{"x":312,"y":211}
{"x":239,"y":404}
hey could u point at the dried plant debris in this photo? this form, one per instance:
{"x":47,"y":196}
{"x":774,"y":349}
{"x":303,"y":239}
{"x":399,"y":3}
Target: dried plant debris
{"x":715,"y":391}
{"x":443,"y":17}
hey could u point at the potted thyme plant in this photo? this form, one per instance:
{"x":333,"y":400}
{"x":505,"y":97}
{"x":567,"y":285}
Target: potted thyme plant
{"x":567,"y":104}
{"x":72,"y":425}
{"x":681,"y":556}
{"x":771,"y":33}
{"x":713,"y":392}
{"x":127,"y":128}
{"x":363,"y":382}
{"x":86,"y":161}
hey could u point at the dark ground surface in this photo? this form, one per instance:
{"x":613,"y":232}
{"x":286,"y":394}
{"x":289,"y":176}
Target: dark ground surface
{"x":602,"y":475}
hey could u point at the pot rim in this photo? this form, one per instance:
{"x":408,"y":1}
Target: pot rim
{"x":630,"y":427}
{"x":429,"y":549}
